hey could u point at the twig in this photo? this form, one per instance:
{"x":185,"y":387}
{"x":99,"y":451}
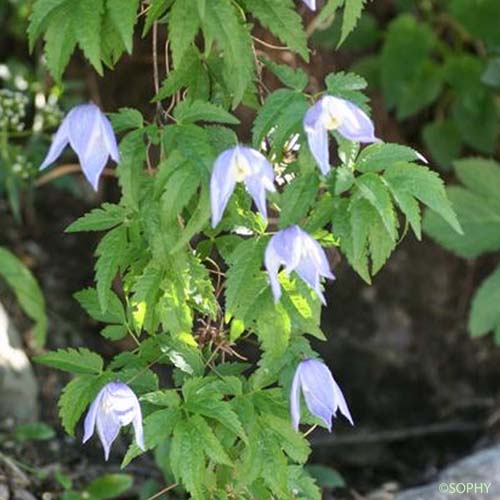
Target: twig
{"x":364,"y":437}
{"x":164,"y":490}
{"x":65,"y":170}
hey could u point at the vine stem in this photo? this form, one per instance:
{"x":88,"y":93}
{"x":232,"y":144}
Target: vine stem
{"x":65,"y":170}
{"x":164,"y":490}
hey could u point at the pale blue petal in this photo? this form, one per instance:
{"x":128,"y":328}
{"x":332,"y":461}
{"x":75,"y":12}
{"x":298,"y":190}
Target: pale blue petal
{"x":90,"y":418}
{"x":317,"y":386}
{"x":317,"y":136}
{"x":93,"y":165}
{"x":295,"y":399}
{"x":257,"y":191}
{"x":108,"y":427}
{"x":311,"y":4}
{"x":138,"y":430}
{"x":59,"y":142}
{"x":356,"y":125}
{"x":342,"y":403}
{"x":109,"y":138}
{"x":272,"y":262}
{"x":222,"y":184}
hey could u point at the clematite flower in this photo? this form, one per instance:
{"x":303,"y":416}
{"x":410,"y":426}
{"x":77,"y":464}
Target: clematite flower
{"x":115,"y":406}
{"x":91,"y":136}
{"x":240,"y":164}
{"x":334,"y":113}
{"x":297,"y":251}
{"x":310,"y":3}
{"x":322,"y":394}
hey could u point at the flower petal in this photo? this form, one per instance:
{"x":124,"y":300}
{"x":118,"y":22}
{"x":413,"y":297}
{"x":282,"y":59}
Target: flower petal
{"x":355,"y":125}
{"x":222,"y":184}
{"x":311,"y":4}
{"x":59,"y":142}
{"x":272,"y":262}
{"x":108,"y":428}
{"x":90,"y":418}
{"x":109,"y":138}
{"x":317,"y":136}
{"x":295,"y":399}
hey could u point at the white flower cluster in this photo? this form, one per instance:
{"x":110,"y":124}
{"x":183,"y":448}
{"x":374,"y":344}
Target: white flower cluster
{"x":12,"y":110}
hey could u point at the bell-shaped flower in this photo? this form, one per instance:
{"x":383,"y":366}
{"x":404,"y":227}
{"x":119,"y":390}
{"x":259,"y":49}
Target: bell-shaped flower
{"x":115,"y":406}
{"x":240,"y":164}
{"x":297,"y":251}
{"x":322,"y":394}
{"x":334,"y":113}
{"x":310,"y":3}
{"x":91,"y":136}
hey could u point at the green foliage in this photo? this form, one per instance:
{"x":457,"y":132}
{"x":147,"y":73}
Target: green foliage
{"x":27,"y":292}
{"x":81,"y":361}
{"x":109,"y":486}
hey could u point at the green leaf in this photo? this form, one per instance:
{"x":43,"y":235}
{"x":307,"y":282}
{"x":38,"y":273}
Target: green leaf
{"x":485,"y":314}
{"x":373,"y":189}
{"x":478,"y":216}
{"x":183,"y":25}
{"x":124,"y":15}
{"x":110,"y":486}
{"x":114,"y":332}
{"x":43,"y":11}
{"x":442,"y":139}
{"x":325,"y":476}
{"x":36,"y":431}
{"x":223,"y":23}
{"x":352,"y":13}
{"x":377,"y":157}
{"x":296,"y":79}
{"x":480,"y":176}
{"x":89,"y":300}
{"x":281,"y":18}
{"x":79,"y":361}
{"x":211,"y":444}
{"x":297,"y":198}
{"x":88,"y":16}
{"x":424,"y":185}
{"x":156,"y":10}
{"x":60,"y":40}
{"x":187,"y":459}
{"x":110,"y":252}
{"x":245,"y":280}
{"x":99,"y":219}
{"x":27,"y":292}
{"x":219,"y":411}
{"x":75,"y":398}
{"x":194,"y":111}
{"x":158,"y":427}
{"x":126,"y":119}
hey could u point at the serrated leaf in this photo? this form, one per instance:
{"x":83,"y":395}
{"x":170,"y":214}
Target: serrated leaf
{"x":211,"y":444}
{"x":110,"y":252}
{"x":126,"y":119}
{"x":124,"y":15}
{"x":297,"y":198}
{"x":443,"y":140}
{"x":79,"y":361}
{"x":484,"y":313}
{"x":27,"y":292}
{"x":99,"y":219}
{"x":296,"y":79}
{"x":40,"y":16}
{"x":88,"y":14}
{"x":352,"y":13}
{"x":183,"y":24}
{"x":281,"y":18}
{"x":156,"y":10}
{"x":245,"y":280}
{"x":75,"y":398}
{"x":479,"y":175}
{"x":89,"y":300}
{"x":377,"y":157}
{"x":194,"y":111}
{"x":424,"y":185}
{"x":109,"y":486}
{"x":114,"y":332}
{"x":376,"y":193}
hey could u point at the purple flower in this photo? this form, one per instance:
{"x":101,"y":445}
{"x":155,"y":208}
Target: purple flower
{"x":310,"y":3}
{"x":240,"y":164}
{"x":322,"y":395}
{"x":297,"y":251}
{"x":333,"y":113}
{"x":115,"y":406}
{"x":90,"y":134}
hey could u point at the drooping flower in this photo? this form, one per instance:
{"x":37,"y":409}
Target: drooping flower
{"x":322,"y":394}
{"x":297,"y":251}
{"x":91,"y":136}
{"x":310,"y":3}
{"x":240,"y":164}
{"x":334,"y":113}
{"x":115,"y":406}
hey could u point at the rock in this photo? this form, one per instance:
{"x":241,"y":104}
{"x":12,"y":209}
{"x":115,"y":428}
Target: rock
{"x":476,"y":477}
{"x":4,"y":492}
{"x":18,"y":385}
